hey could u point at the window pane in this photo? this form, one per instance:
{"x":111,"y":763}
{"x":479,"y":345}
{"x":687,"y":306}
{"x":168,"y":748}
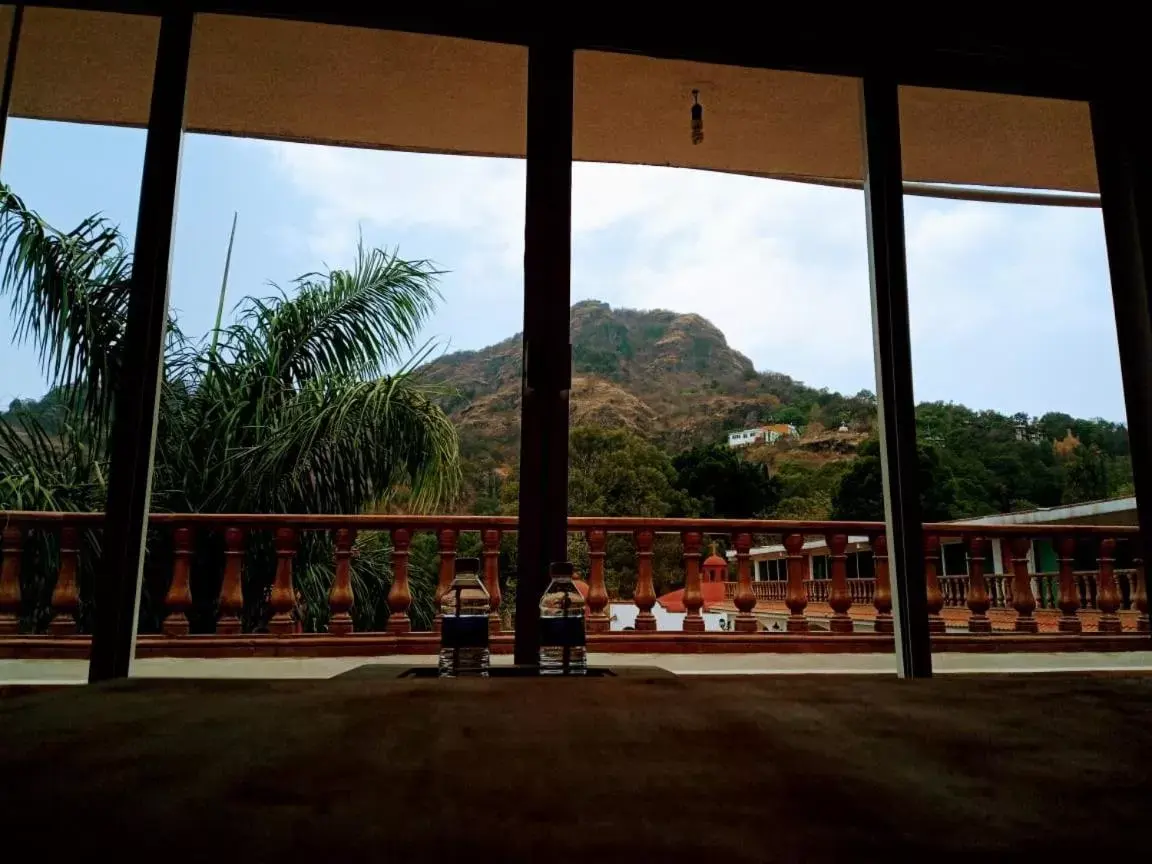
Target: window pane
{"x":62,"y":308}
{"x":338,"y":265}
{"x":721,"y":329}
{"x":1021,"y":416}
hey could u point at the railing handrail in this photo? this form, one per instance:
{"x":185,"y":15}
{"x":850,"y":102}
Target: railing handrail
{"x":279,"y":608}
{"x":316,"y":521}
{"x":610,"y":524}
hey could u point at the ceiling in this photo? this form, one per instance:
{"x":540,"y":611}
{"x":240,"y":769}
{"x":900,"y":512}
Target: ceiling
{"x":331,"y":84}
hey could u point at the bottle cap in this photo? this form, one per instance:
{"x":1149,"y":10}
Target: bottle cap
{"x":561,"y":568}
{"x":467,"y":565}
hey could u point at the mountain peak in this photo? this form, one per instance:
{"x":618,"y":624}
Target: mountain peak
{"x":659,"y":372}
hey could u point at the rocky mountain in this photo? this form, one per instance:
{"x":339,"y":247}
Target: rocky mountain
{"x":668,"y":376}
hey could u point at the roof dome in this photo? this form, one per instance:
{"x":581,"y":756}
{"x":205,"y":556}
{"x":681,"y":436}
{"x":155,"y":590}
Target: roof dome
{"x":715,"y":567}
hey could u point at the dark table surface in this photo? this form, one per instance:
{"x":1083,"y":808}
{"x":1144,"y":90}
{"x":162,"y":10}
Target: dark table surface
{"x":631,"y":768}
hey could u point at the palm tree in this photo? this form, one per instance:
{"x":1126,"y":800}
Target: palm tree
{"x":310,"y":402}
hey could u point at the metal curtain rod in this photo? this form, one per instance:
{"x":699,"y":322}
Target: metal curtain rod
{"x":969,"y":193}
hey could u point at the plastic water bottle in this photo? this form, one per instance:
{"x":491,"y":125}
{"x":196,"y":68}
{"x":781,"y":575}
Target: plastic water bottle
{"x":464,"y":624}
{"x":562,"y":650}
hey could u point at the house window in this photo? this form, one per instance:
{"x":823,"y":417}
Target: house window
{"x":819,"y":566}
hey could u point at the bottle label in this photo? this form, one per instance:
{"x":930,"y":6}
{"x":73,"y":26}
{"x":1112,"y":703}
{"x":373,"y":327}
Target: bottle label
{"x":466,"y":631}
{"x":562,"y":632}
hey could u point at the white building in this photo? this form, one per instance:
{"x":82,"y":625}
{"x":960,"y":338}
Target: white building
{"x":622,"y":616}
{"x":762,"y":435}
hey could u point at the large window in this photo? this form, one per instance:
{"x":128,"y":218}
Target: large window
{"x":1016,"y":363}
{"x":347,"y":301}
{"x":70,"y":190}
{"x":721,"y":328}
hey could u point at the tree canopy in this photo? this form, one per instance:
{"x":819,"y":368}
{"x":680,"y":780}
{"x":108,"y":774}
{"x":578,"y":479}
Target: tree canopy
{"x":726,"y":485}
{"x":309,"y":402}
{"x":614,"y":472}
{"x":861,"y":492}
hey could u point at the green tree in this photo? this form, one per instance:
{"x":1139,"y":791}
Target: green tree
{"x":726,"y":486}
{"x":790,"y":414}
{"x":308,"y":403}
{"x":861,"y":492}
{"x":806,"y":491}
{"x":1086,"y":475}
{"x":615,"y":472}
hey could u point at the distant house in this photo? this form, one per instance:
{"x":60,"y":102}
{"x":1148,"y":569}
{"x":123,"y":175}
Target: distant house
{"x":776,"y":431}
{"x":762,"y":435}
{"x":770,"y":563}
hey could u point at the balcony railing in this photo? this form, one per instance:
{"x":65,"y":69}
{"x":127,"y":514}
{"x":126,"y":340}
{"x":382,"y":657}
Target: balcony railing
{"x":1105,"y":602}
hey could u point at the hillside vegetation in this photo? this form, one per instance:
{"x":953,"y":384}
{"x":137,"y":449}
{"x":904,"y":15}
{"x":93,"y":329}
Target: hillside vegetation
{"x":672,"y":382}
{"x":652,"y":389}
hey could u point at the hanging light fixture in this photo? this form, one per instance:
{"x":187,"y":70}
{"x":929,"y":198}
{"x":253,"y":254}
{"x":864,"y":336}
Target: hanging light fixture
{"x":697,"y":119}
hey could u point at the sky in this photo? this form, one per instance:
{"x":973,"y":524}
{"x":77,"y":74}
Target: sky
{"x":1010,"y":305}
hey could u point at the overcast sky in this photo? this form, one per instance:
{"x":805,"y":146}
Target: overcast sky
{"x":1011,"y":307}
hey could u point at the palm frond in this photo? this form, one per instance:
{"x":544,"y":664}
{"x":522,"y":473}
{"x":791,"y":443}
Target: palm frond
{"x":344,"y":322}
{"x":66,"y":471}
{"x":69,"y":297}
{"x":340,"y":444}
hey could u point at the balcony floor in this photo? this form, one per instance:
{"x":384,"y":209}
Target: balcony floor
{"x":33,"y":672}
{"x":699,"y":768}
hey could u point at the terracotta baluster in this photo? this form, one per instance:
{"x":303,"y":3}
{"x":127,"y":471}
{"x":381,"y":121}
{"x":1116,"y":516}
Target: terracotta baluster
{"x":744,"y":598}
{"x":597,"y":620}
{"x":491,"y":555}
{"x":447,"y":538}
{"x":1140,"y":588}
{"x":340,"y":595}
{"x":283,"y":597}
{"x":693,"y":598}
{"x":932,"y":581}
{"x":231,"y":596}
{"x":178,"y":600}
{"x":1008,"y":576}
{"x":66,"y":596}
{"x":1069,"y":591}
{"x":797,"y":597}
{"x":12,"y":550}
{"x":978,"y":602}
{"x":838,"y":597}
{"x":1107,"y":594}
{"x":400,"y":594}
{"x":1023,"y":600}
{"x":645,"y":594}
{"x":882,"y":596}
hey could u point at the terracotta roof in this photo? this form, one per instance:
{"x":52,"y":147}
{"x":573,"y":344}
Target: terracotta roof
{"x":713,"y":593}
